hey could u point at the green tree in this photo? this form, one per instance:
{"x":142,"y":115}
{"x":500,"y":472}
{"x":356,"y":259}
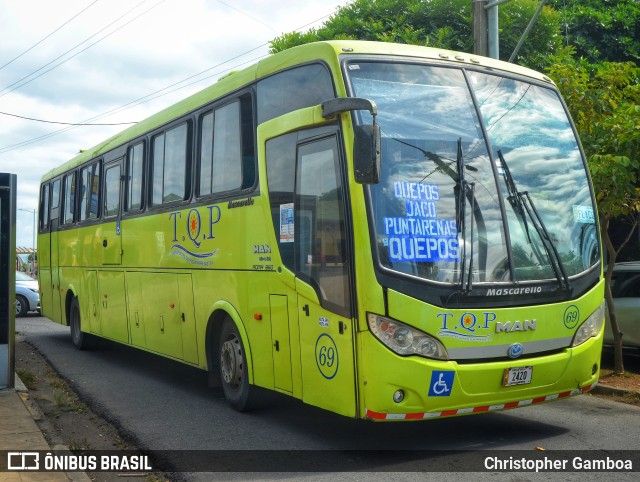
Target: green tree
{"x":544,"y":39}
{"x":602,"y":30}
{"x":435,"y":23}
{"x":604,"y":101}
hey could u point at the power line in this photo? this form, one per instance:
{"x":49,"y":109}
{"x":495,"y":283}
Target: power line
{"x":151,"y":96}
{"x":64,"y":123}
{"x":8,"y":89}
{"x":49,"y":35}
{"x":134,"y":103}
{"x":247,"y":15}
{"x":129,"y":105}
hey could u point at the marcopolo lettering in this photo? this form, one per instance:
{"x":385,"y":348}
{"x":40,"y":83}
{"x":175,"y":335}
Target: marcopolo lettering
{"x":529,"y":290}
{"x":241,"y":203}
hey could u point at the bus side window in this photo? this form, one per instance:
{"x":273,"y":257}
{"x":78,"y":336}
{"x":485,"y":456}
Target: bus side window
{"x":320,"y":222}
{"x":293,"y":89}
{"x":55,"y":200}
{"x":281,"y":168}
{"x":44,"y":207}
{"x":221,"y":151}
{"x":169,"y":166}
{"x":307,"y":208}
{"x":112,"y":191}
{"x":90,"y":190}
{"x":69,"y":198}
{"x":227,"y":153}
{"x":135,"y":160}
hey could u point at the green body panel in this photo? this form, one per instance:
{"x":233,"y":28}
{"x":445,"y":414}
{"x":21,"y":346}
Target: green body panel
{"x":160,"y":281}
{"x":475,"y":384}
{"x":279,"y":311}
{"x":479,"y":383}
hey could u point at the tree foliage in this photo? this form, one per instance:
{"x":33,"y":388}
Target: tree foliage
{"x":604,"y":100}
{"x":544,"y":39}
{"x":595,"y":74}
{"x":602,"y":30}
{"x":435,"y":23}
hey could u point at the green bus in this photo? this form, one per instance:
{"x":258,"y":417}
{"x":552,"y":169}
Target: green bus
{"x":388,"y":232}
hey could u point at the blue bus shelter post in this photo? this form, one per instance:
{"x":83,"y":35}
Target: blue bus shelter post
{"x":8,"y":183}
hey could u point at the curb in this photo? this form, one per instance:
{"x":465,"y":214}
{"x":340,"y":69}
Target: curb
{"x":23,"y":392}
{"x":605,"y":390}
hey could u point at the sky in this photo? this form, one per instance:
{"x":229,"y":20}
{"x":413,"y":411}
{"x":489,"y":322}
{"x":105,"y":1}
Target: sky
{"x":73,"y":61}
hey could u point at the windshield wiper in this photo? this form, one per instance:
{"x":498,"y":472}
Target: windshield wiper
{"x":523,"y":205}
{"x":462,"y":189}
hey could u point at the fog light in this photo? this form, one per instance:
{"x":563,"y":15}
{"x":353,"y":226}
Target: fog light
{"x":594,"y":369}
{"x":398,"y":396}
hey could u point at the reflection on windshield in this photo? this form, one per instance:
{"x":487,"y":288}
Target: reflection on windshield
{"x":442,"y":210}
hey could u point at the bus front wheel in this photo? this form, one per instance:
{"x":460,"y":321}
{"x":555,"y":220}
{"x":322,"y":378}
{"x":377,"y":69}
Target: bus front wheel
{"x":240,"y":395}
{"x":81,"y":340}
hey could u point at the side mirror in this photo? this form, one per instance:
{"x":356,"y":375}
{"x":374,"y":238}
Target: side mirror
{"x":366,"y":142}
{"x":366,"y":154}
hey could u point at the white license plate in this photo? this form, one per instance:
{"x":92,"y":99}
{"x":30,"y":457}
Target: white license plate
{"x":517,"y":376}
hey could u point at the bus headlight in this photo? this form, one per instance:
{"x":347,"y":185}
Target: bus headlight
{"x":590,"y":328}
{"x":404,"y":339}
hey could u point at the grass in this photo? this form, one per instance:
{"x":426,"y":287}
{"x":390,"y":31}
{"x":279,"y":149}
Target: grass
{"x":28,"y":378}
{"x":63,"y":396}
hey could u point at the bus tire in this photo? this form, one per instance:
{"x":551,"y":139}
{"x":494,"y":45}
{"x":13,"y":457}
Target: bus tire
{"x":240,"y":395}
{"x":81,"y":340}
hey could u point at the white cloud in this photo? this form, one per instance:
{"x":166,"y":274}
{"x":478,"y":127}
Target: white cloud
{"x":173,"y":41}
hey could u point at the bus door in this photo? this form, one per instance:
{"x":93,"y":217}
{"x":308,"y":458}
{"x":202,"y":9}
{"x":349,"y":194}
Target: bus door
{"x":111,"y":240}
{"x":55,"y":312}
{"x":308,"y":208}
{"x":110,"y":317}
{"x":323,"y":278}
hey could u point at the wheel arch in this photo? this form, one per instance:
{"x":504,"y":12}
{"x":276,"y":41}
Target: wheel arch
{"x":67,"y":304}
{"x":221,"y":311}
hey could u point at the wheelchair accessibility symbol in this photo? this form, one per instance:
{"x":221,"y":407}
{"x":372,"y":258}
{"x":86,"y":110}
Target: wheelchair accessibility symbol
{"x":441,"y":383}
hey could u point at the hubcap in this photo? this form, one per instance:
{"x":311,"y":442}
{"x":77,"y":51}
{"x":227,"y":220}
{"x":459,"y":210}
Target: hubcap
{"x":231,"y":362}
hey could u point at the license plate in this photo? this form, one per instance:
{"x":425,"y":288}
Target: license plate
{"x":517,"y":376}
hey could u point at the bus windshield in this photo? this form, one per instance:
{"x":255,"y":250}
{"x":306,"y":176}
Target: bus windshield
{"x":482,"y":179}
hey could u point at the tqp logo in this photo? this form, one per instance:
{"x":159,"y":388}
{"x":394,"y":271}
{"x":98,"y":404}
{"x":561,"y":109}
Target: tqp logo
{"x":23,"y":461}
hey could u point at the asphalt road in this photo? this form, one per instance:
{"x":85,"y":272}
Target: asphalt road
{"x":164,"y":405}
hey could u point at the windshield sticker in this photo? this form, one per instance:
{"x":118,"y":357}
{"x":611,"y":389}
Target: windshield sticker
{"x":420,"y":236}
{"x":287,"y":233}
{"x":583,"y":214}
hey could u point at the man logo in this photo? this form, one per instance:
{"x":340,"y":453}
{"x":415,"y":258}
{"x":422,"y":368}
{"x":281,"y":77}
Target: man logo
{"x":515,"y":350}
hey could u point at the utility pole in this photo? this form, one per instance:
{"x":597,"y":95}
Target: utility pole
{"x":480,"y":28}
{"x":485,"y":27}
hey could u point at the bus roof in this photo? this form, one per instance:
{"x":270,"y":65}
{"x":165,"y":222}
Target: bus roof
{"x":327,"y":50}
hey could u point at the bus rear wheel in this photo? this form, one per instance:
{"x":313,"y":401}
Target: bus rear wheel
{"x":81,"y":340}
{"x":240,"y":395}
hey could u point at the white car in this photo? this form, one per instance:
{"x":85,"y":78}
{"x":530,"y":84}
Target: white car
{"x":27,"y":294}
{"x":625,"y":288}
